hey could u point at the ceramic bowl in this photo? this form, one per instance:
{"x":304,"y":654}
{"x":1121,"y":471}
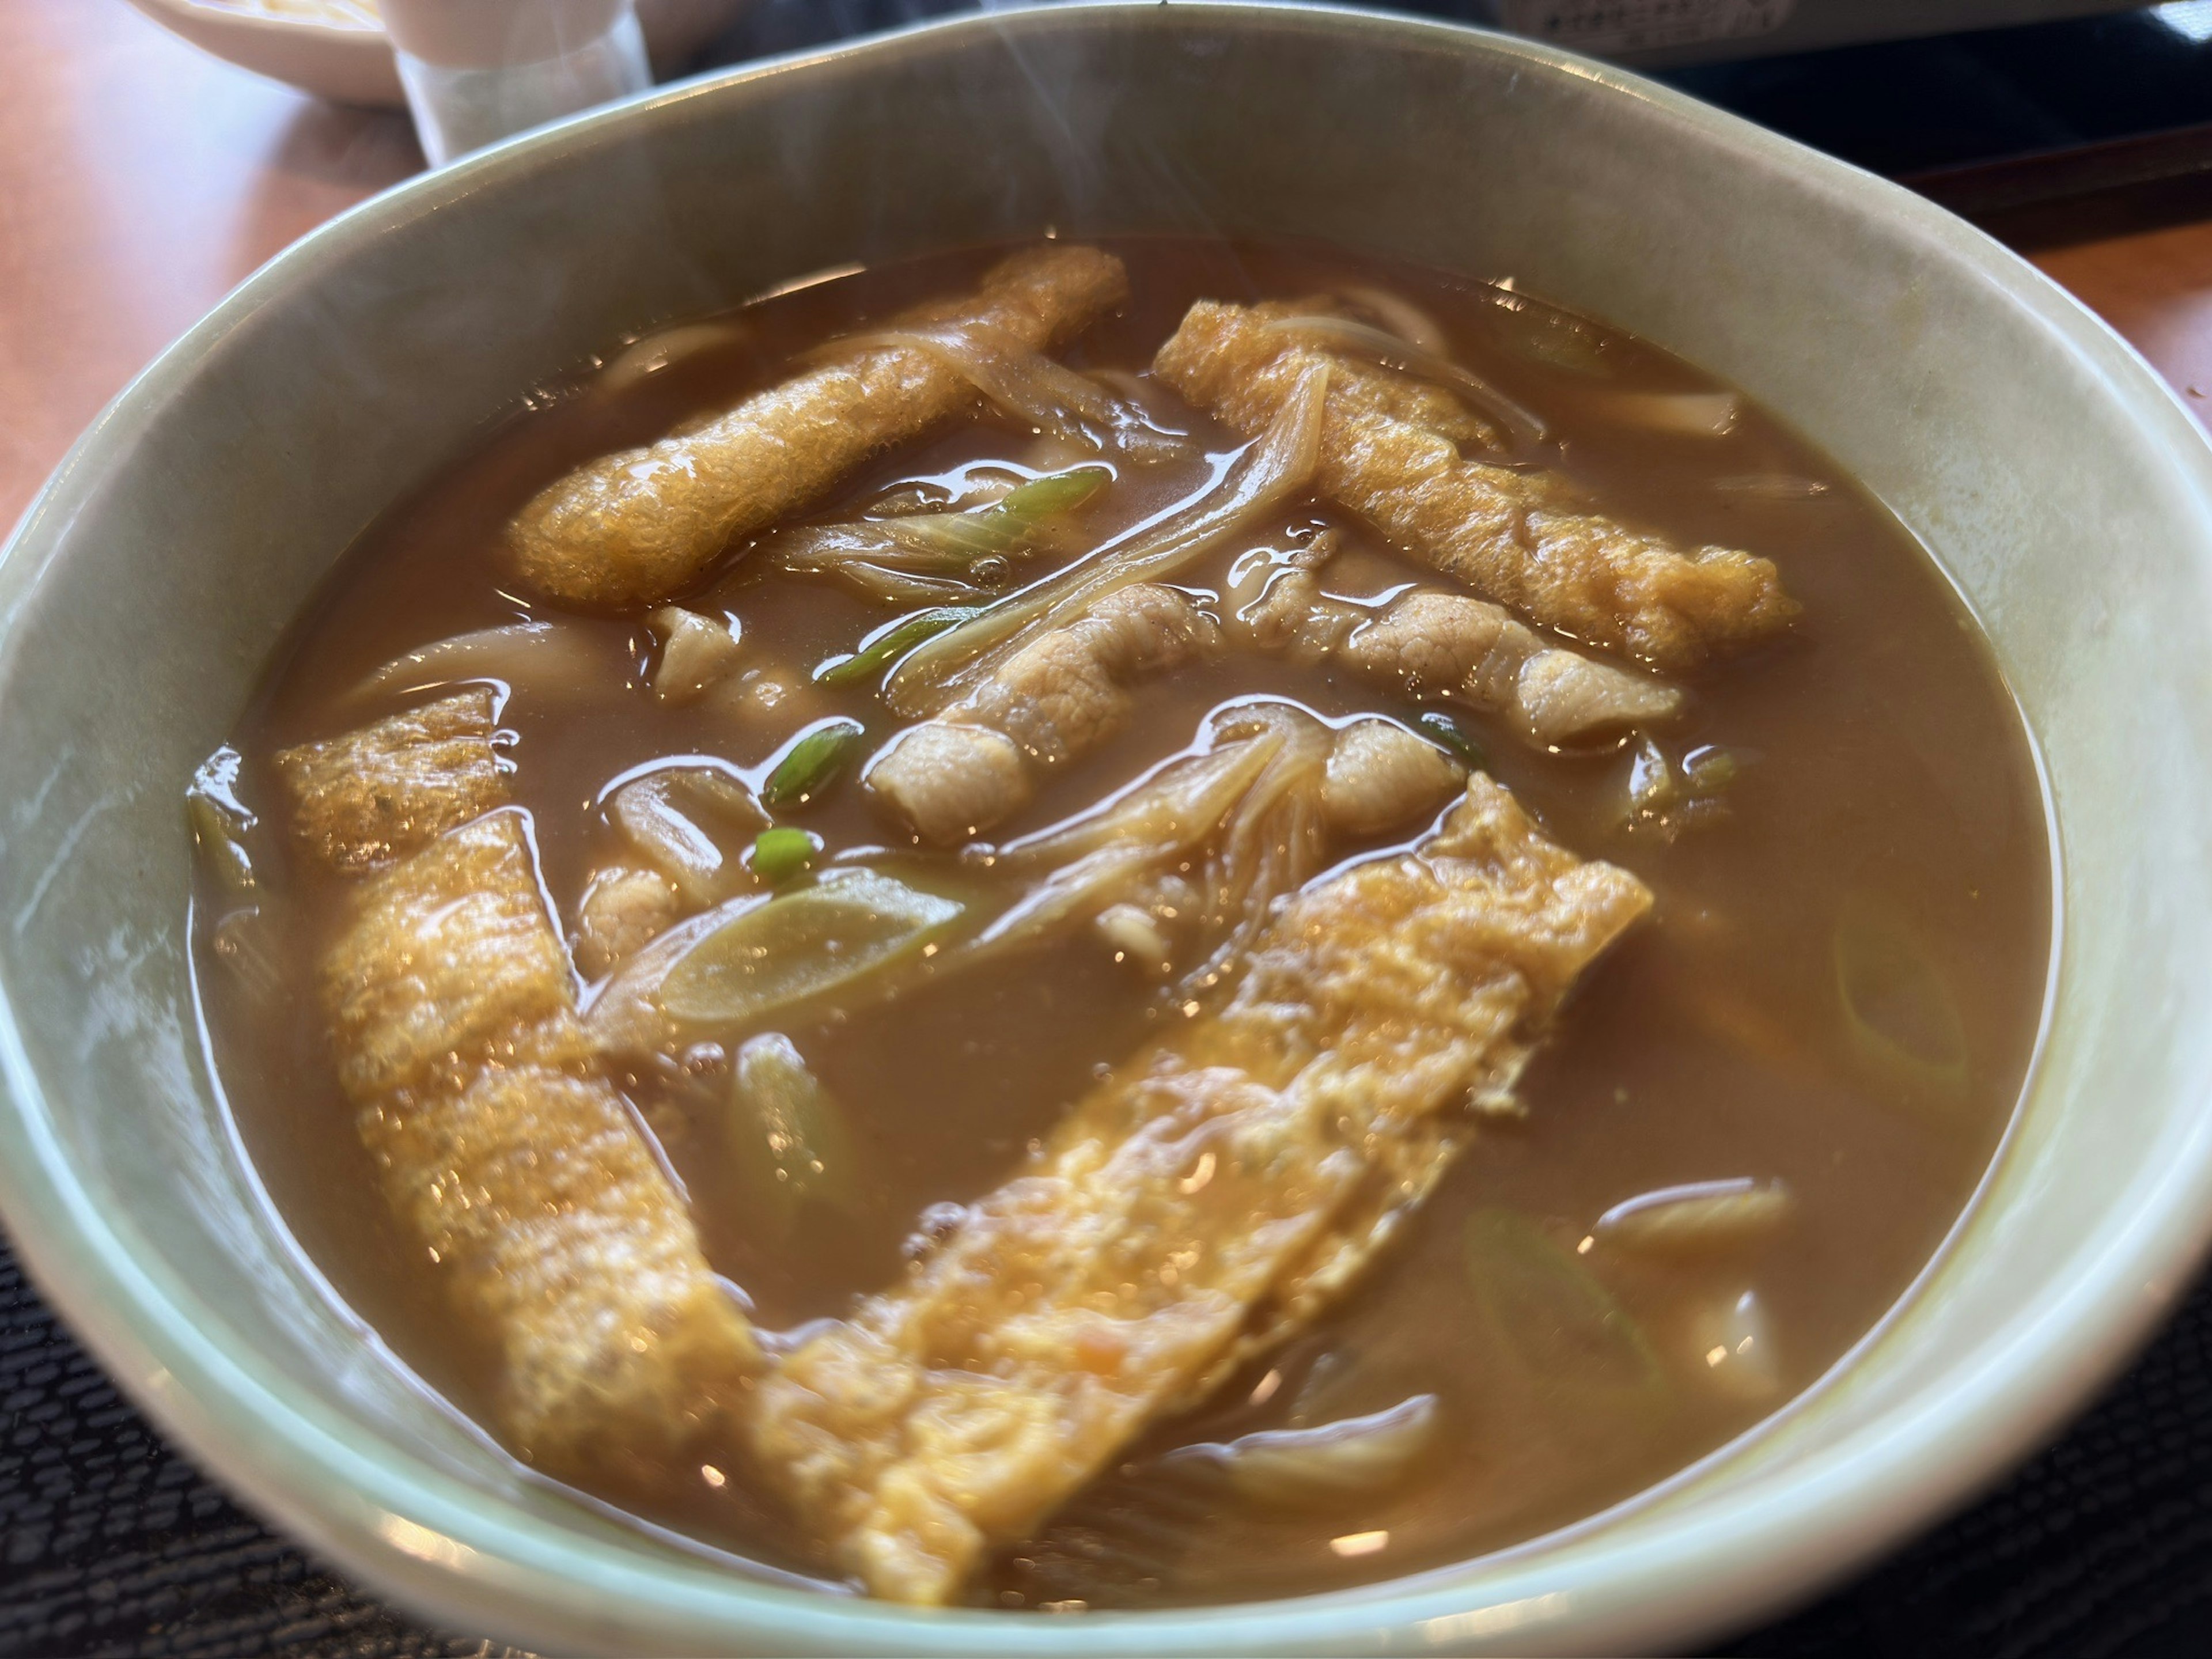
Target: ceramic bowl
{"x":2059,"y":484}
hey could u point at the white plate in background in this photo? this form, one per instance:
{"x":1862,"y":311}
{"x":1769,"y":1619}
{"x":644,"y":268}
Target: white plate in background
{"x":337,"y":48}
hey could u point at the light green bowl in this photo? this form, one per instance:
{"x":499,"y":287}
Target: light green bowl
{"x":2058,"y":481}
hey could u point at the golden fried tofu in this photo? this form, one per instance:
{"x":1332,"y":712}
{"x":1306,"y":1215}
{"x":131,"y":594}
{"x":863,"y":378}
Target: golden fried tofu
{"x":1519,"y":537}
{"x":640,"y":524}
{"x":453,"y":1025}
{"x":1056,"y":698}
{"x":448,"y":961}
{"x":377,"y":795}
{"x":1205,"y":1202}
{"x":558,"y":1230}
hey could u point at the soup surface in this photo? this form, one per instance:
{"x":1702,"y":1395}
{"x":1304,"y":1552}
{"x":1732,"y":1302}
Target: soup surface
{"x":1820,"y":1028}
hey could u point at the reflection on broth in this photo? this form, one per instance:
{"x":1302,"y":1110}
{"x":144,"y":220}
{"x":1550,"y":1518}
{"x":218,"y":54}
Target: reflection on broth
{"x":1103,"y":927}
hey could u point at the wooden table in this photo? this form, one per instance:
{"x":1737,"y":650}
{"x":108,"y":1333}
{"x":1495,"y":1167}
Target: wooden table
{"x":140,"y":181}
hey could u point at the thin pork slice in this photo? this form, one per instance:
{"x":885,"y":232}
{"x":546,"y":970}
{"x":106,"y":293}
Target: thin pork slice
{"x":1452,"y":646}
{"x":1521,"y":538}
{"x":640,"y":524}
{"x":1206,"y":1200}
{"x":1055,"y":700}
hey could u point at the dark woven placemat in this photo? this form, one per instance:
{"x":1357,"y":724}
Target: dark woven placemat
{"x":112,"y":1544}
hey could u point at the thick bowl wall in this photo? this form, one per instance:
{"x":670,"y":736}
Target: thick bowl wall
{"x":2060,"y":485}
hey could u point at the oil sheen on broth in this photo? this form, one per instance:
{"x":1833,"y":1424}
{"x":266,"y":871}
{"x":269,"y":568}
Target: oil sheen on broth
{"x":1500,"y":1315}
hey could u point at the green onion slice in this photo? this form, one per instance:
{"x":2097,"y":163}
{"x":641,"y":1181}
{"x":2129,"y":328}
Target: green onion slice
{"x":810,"y":764}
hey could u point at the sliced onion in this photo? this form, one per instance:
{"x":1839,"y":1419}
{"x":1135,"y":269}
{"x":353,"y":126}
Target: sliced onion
{"x":1352,"y":1457}
{"x":799,"y":944}
{"x":654,"y":352}
{"x":219,"y":827}
{"x":1276,"y":839}
{"x":1772,"y":486}
{"x":1703,"y":1216}
{"x":670,"y":819}
{"x":1266,"y":474}
{"x":786,"y":1135}
{"x":937,"y":556}
{"x":538,"y":661}
{"x":1554,"y":1316}
{"x":755,"y":955}
{"x":1401,"y":316}
{"x":1100,"y":858}
{"x":1171,"y":810}
{"x":1025,"y":384}
{"x":245,"y":943}
{"x":1897,"y":1003}
{"x":886,"y":586}
{"x":1372,"y":344}
{"x":695,"y":651}
{"x":874,"y":563}
{"x":1676,"y":414}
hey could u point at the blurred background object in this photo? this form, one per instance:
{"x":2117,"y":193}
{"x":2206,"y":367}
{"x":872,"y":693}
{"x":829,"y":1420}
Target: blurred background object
{"x":338,"y":49}
{"x":2061,"y":98}
{"x":476,"y":70}
{"x":1656,"y":31}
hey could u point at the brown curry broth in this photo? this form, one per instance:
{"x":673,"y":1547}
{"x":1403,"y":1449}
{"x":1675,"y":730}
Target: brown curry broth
{"x":1891,"y":761}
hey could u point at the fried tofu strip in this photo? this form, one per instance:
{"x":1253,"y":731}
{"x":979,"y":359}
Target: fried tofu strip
{"x":453,"y":1023}
{"x":371,"y":796}
{"x":1205,"y":1202}
{"x":1446,"y":645}
{"x":640,"y":524}
{"x":1057,"y":698}
{"x":1517,"y":537}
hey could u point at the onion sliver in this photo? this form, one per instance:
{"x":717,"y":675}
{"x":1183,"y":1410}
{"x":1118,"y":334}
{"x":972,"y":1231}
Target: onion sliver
{"x":1676,"y":414}
{"x":654,"y":352}
{"x":786,"y":1135}
{"x":798,"y":946}
{"x":1352,"y":1457}
{"x":1701,"y":1217}
{"x":1169,"y":814}
{"x":536,"y":661}
{"x":1387,"y":350}
{"x":1025,"y":384}
{"x":1400,"y":315}
{"x":1552,"y":1315}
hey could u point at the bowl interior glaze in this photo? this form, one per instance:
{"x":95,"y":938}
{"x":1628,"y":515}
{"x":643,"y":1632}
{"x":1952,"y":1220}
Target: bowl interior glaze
{"x":2063,"y":490}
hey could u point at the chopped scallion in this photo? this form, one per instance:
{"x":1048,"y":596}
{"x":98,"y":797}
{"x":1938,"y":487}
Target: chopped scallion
{"x":1448,"y":735}
{"x":780,"y":854}
{"x":888,"y":643}
{"x":811,"y":763}
{"x":1006,"y":523}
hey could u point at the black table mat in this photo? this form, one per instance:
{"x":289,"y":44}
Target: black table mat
{"x":112,"y":1544}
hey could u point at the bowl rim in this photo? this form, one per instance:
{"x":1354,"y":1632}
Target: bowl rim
{"x":468,"y":1557}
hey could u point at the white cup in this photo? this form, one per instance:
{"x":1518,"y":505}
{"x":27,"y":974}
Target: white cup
{"x":476,"y":70}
